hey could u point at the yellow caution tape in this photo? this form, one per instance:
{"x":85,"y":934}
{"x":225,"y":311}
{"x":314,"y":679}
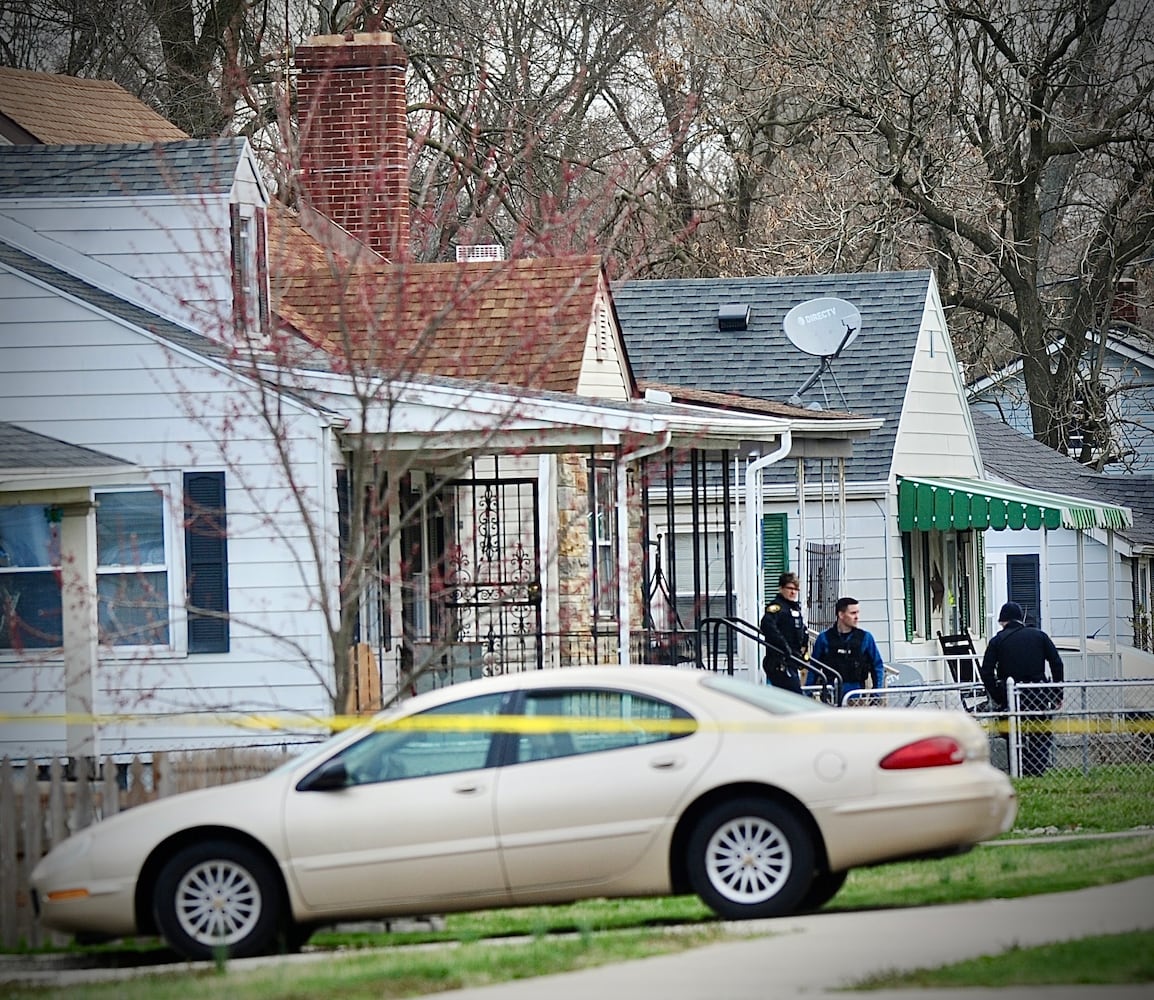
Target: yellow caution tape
{"x":433,"y":722}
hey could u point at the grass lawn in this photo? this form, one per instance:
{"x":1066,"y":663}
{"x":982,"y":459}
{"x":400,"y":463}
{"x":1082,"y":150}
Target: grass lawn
{"x":1109,"y":960}
{"x":499,"y":945}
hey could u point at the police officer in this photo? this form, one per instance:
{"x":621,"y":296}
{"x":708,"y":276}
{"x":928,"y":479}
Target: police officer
{"x":1022,"y":652}
{"x":785,"y":635}
{"x":850,"y":650}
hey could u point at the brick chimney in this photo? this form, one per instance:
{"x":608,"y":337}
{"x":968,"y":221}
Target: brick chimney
{"x":354,"y":153}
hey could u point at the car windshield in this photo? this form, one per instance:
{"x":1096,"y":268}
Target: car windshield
{"x":773,"y":699}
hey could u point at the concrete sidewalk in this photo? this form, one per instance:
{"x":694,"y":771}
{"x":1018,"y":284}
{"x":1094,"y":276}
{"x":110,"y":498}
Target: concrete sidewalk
{"x":807,"y":956}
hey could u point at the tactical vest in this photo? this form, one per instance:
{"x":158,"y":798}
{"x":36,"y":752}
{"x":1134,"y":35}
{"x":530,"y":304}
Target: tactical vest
{"x":845,"y":655}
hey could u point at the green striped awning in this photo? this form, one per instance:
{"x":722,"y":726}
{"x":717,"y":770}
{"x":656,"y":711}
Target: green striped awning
{"x":958,"y":504}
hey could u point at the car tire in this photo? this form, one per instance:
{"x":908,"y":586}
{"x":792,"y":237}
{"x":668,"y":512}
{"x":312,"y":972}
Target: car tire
{"x":219,"y":899}
{"x":822,"y":889}
{"x":750,"y":858}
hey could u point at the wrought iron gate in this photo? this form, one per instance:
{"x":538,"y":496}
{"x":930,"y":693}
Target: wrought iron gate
{"x":492,"y":576}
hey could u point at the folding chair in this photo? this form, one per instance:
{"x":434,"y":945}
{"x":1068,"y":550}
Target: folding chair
{"x":962,"y":659}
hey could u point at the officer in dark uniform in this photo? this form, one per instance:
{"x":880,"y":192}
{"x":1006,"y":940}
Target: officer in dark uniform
{"x":1022,"y":652}
{"x":850,"y":650}
{"x":784,"y":629}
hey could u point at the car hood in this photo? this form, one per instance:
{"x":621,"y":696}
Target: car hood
{"x":253,"y":806}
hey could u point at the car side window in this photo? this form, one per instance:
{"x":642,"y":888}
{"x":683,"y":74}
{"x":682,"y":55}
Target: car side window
{"x":443,"y":740}
{"x":569,"y":722}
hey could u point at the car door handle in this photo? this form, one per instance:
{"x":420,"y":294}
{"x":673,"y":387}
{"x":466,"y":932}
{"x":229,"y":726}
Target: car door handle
{"x":667,"y":763}
{"x":468,"y":788}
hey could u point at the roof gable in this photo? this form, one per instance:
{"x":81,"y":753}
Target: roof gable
{"x":522,"y":323}
{"x":64,"y":110}
{"x":672,"y":333}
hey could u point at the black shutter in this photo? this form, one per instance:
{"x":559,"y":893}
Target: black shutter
{"x":260,"y":280}
{"x":239,"y":304}
{"x":206,"y":562}
{"x":1024,"y":586}
{"x":344,"y":502}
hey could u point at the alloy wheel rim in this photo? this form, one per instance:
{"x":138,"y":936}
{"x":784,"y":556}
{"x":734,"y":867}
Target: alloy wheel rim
{"x":748,"y":860}
{"x":218,"y":902}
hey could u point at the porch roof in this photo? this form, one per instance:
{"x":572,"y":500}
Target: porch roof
{"x":31,"y":462}
{"x":958,"y":504}
{"x":445,"y":415}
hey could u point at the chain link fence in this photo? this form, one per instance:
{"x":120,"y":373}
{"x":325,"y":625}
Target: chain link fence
{"x":1078,"y":726}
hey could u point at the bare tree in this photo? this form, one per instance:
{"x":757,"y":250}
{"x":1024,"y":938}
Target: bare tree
{"x":1014,"y":143}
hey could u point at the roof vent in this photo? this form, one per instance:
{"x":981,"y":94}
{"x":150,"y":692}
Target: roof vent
{"x":482,"y":251}
{"x":733,"y":316}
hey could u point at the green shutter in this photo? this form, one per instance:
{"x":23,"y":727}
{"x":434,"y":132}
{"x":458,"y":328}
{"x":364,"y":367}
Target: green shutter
{"x":908,"y":583}
{"x":206,"y":562}
{"x":774,"y":549}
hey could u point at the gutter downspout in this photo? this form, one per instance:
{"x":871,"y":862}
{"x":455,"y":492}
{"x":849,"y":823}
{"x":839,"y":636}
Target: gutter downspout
{"x":623,"y":619}
{"x":752,"y":561}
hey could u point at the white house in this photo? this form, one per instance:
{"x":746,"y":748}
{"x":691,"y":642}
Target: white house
{"x":1039,"y":568}
{"x":476,"y":442}
{"x":901,"y":524}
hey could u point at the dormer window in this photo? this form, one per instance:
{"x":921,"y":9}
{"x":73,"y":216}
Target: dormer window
{"x":249,"y":272}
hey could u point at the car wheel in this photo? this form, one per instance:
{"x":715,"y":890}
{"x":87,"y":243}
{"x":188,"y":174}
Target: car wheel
{"x":750,"y":858}
{"x":822,"y":889}
{"x":219,"y":896}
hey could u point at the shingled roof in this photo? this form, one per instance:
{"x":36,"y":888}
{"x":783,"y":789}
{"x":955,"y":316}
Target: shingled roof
{"x":65,"y":110}
{"x":1017,"y":458}
{"x":22,"y":449}
{"x":671,"y":331}
{"x":519,"y":323}
{"x":187,"y":167}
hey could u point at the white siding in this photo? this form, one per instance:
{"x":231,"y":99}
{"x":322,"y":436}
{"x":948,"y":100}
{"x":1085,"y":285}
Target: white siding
{"x":603,"y":368}
{"x":935,"y":437}
{"x":95,"y":382}
{"x":1058,"y":566}
{"x":182,"y":249}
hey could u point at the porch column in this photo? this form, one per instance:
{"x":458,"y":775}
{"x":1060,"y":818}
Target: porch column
{"x":79,"y":631}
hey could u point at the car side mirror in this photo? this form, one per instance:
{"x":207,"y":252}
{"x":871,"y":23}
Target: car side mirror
{"x":330,"y":776}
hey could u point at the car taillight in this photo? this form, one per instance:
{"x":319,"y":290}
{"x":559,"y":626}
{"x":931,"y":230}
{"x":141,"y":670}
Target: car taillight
{"x":936,"y":751}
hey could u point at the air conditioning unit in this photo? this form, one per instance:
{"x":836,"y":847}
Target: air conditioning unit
{"x":480,"y":252}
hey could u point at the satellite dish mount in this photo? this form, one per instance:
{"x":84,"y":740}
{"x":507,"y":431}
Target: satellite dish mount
{"x":824,"y":328}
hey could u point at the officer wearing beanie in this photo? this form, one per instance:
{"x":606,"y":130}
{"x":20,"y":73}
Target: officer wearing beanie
{"x":1022,"y":652}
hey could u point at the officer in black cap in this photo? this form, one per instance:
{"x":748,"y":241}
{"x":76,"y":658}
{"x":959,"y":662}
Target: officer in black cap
{"x":786,"y":637}
{"x":1022,"y":652}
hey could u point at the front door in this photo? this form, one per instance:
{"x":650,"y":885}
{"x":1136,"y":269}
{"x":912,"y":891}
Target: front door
{"x":472,"y":566}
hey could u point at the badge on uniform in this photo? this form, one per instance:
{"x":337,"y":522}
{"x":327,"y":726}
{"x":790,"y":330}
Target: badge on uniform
{"x":773,"y":609}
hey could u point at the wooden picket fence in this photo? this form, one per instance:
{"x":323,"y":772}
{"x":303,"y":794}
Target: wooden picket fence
{"x":43,"y":802}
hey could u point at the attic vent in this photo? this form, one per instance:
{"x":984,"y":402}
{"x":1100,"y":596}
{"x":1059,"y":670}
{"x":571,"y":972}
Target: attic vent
{"x":733,"y":316}
{"x":483,"y":251}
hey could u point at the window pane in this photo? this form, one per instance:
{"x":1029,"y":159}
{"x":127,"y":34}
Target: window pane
{"x":133,"y":608}
{"x":30,"y":611}
{"x":392,"y":754}
{"x":130,"y":529}
{"x":631,"y":720}
{"x":27,"y":538}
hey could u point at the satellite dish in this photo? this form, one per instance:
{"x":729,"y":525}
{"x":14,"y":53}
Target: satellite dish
{"x":824,"y":327}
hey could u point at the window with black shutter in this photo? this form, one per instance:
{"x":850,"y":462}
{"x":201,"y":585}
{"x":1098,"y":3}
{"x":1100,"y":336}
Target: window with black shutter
{"x":206,"y":562}
{"x":1024,"y":586}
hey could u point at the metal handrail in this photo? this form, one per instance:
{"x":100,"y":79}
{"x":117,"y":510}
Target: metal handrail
{"x":830,"y":686}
